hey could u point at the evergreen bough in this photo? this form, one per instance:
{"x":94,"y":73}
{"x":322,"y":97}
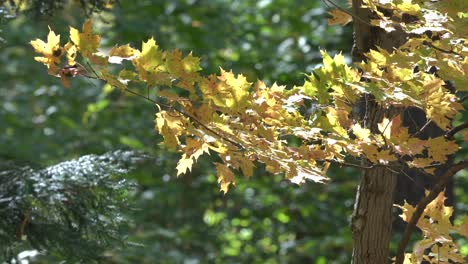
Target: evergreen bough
{"x":71,"y":209}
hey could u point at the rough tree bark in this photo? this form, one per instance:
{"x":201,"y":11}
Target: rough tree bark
{"x":372,"y":217}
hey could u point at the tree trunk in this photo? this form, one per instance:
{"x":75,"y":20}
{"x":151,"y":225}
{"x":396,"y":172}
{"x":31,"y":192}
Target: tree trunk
{"x":372,"y":217}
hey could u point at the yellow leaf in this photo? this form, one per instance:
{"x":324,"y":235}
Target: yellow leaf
{"x":247,"y":166}
{"x":124,"y":51}
{"x":331,"y":122}
{"x":299,"y":175}
{"x":170,"y":139}
{"x":385,"y":127}
{"x":378,"y":57}
{"x":71,"y":53}
{"x":86,"y":41}
{"x":407,"y":7}
{"x":195,"y":148}
{"x":185,"y":163}
{"x":170,"y":126}
{"x":339,"y":18}
{"x":119,"y":53}
{"x":51,"y":51}
{"x":440,"y":105}
{"x":225,"y":177}
{"x":407,"y":211}
{"x":173,"y":120}
{"x":361,"y":133}
{"x":439,"y":148}
{"x":236,"y":89}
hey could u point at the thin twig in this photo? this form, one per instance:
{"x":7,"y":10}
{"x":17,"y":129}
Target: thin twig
{"x":422,"y":128}
{"x":354,"y":165}
{"x":440,"y":49}
{"x":440,"y":185}
{"x":461,"y":100}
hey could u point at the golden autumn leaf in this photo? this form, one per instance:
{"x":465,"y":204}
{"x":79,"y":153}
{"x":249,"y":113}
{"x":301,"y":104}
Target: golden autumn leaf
{"x":195,"y":148}
{"x":184,"y":164}
{"x":86,"y":41}
{"x":71,"y":53}
{"x":439,"y":148}
{"x":339,"y":17}
{"x":247,"y":167}
{"x":123,"y":51}
{"x":51,"y":51}
{"x":119,"y":53}
{"x":435,"y":225}
{"x":171,"y":141}
{"x":225,"y":177}
{"x":361,"y":133}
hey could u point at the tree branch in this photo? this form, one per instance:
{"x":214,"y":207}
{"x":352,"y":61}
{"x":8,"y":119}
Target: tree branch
{"x":400,"y":256}
{"x":440,"y":49}
{"x":453,"y":131}
{"x":461,"y":100}
{"x":168,"y":107}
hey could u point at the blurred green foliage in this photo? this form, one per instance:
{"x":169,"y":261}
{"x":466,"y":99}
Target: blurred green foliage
{"x":183,"y":220}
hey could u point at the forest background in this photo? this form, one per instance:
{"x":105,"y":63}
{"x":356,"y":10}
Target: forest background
{"x":264,"y":219}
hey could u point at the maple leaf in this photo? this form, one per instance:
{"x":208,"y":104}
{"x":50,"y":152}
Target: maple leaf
{"x":170,"y":139}
{"x":440,"y":105}
{"x":86,"y":41}
{"x":71,"y":53}
{"x":51,"y":51}
{"x":236,"y":89}
{"x":331,"y":122}
{"x":439,"y":148}
{"x":170,"y":126}
{"x":361,"y":133}
{"x":435,"y":224}
{"x":318,"y":90}
{"x":195,"y":148}
{"x":406,"y":6}
{"x":150,"y":64}
{"x":119,"y":53}
{"x":184,"y":164}
{"x":191,"y":63}
{"x":185,"y":70}
{"x":339,"y":17}
{"x":247,"y":167}
{"x":225,"y":177}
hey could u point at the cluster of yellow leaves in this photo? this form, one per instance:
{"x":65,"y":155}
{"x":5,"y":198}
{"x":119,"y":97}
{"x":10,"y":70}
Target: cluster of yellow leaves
{"x":244,"y":122}
{"x":405,"y":83}
{"x":436,"y":226}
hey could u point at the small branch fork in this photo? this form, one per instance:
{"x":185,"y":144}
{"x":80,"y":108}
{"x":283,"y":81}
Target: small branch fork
{"x":439,"y":187}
